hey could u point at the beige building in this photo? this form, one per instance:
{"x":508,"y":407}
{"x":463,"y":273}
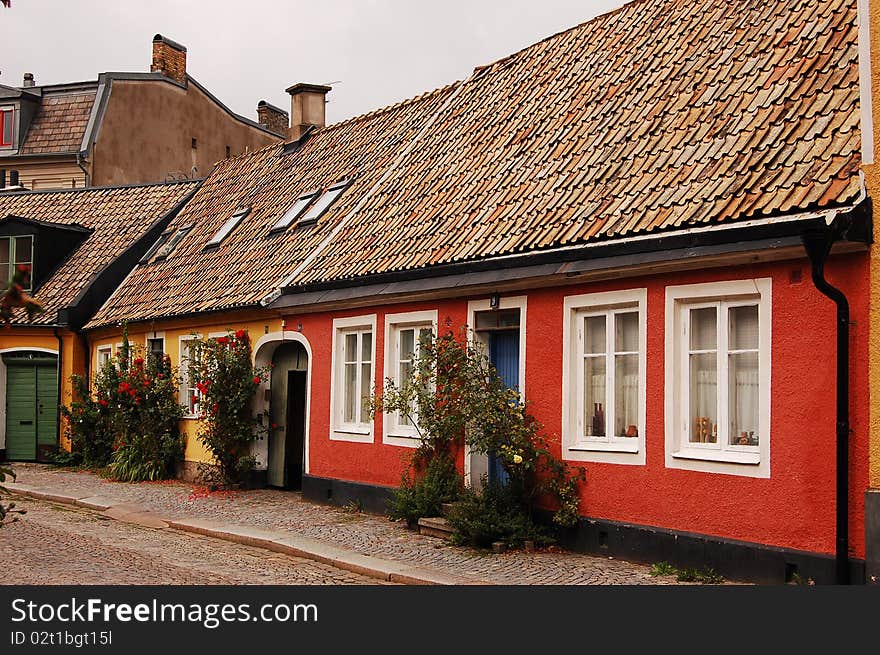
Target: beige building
{"x":124,"y":128}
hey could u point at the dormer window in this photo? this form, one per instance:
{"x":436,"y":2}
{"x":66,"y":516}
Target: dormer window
{"x":228,"y":226}
{"x":16,"y":252}
{"x":295,"y":211}
{"x":7,"y":126}
{"x":323,"y":203}
{"x":167,"y":243}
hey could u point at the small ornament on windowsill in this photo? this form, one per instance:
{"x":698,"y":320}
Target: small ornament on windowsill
{"x":632,"y":431}
{"x":702,"y":433}
{"x":598,"y":420}
{"x":747,"y":438}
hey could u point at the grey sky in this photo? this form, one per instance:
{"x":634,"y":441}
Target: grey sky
{"x":375,"y":52}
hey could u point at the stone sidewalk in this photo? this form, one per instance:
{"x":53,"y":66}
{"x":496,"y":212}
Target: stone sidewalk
{"x":283,"y":522}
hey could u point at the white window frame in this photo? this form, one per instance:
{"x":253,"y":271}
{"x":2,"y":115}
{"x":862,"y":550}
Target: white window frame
{"x":340,"y":430}
{"x":104,"y":348}
{"x":721,"y":457}
{"x":392,"y":432}
{"x":297,"y":209}
{"x":151,"y":336}
{"x":226,"y":229}
{"x":187,"y":389}
{"x":607,"y":449}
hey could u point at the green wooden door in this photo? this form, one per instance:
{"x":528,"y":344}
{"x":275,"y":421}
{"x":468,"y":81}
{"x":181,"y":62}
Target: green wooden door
{"x":31,"y":406}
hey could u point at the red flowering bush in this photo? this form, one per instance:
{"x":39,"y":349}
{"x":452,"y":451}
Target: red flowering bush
{"x":228,"y":383}
{"x":131,"y":422}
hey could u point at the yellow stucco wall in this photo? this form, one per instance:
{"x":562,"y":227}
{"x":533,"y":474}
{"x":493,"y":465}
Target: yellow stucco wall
{"x":174,"y":332}
{"x":872,"y":182}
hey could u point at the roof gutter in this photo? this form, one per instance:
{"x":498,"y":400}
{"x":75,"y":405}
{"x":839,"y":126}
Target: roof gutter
{"x":691,"y":243}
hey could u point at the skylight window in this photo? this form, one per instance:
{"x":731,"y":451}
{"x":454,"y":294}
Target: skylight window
{"x":228,"y":226}
{"x":323,"y":203}
{"x":295,"y":210}
{"x":164,"y":249}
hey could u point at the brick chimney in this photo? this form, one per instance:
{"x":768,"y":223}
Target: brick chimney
{"x":272,"y":118}
{"x":306,"y":108}
{"x":169,"y":58}
{"x":28,"y":81}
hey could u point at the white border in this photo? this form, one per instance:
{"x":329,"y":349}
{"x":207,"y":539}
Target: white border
{"x":181,"y":339}
{"x":278,"y":338}
{"x":692,"y":459}
{"x":338,"y":431}
{"x":616,"y":452}
{"x":511,"y":302}
{"x":393,"y":434}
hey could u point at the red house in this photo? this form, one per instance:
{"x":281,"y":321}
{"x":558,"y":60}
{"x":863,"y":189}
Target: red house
{"x":652,"y":219}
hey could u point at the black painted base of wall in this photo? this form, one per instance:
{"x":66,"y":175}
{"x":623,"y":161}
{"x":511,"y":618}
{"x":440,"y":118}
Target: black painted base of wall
{"x":872,"y":536}
{"x":2,"y":454}
{"x":371,"y":498}
{"x":735,"y":560}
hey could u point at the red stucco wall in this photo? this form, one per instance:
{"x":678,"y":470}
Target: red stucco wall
{"x":794,"y":508}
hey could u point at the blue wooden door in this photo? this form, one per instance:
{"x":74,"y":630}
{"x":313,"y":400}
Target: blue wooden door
{"x":504,"y":355}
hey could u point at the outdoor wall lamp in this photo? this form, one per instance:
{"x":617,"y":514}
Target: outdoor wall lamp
{"x":494,"y":301}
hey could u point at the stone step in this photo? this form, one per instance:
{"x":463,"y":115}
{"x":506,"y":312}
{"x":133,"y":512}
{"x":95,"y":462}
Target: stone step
{"x":435,"y":527}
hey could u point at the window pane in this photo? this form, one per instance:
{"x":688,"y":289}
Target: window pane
{"x":366,"y":388}
{"x":508,"y":318}
{"x":626,"y":336}
{"x":8,"y":124}
{"x":743,"y":389}
{"x":293,"y":213}
{"x":350,"y":394}
{"x":366,"y":346}
{"x":703,"y":328}
{"x":404,"y":371}
{"x":704,"y":398}
{"x":23,"y":247}
{"x":4,"y":261}
{"x":407,"y":345}
{"x":594,"y":396}
{"x":351,"y":347}
{"x":594,"y":335}
{"x":425,"y":335}
{"x":323,"y":203}
{"x":626,"y":396}
{"x":744,"y":328}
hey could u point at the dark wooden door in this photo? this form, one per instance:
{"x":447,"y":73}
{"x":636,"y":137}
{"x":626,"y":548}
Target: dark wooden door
{"x":294,"y":448}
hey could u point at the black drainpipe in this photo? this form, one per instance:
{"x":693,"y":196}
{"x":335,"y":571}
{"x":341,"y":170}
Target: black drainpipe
{"x":818,"y":245}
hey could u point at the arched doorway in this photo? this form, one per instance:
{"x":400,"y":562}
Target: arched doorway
{"x":287,"y":410}
{"x":29,"y":389}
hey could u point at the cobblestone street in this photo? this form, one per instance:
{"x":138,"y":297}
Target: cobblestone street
{"x":286,"y":511}
{"x":54,"y":544}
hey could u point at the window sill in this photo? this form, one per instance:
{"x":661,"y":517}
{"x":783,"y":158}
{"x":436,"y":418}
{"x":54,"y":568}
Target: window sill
{"x":748,"y":459}
{"x":189,"y":417}
{"x":620,"y":446}
{"x":356,"y":435}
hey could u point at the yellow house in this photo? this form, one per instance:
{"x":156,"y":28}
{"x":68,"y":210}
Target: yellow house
{"x":77,"y":245}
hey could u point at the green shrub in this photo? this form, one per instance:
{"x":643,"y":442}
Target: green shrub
{"x":495,"y":513}
{"x":88,"y":427}
{"x":663,"y":568}
{"x":421,"y":493}
{"x":454,"y":397}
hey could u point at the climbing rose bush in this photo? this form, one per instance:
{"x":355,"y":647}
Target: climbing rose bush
{"x":227,"y":383}
{"x":131,"y":421}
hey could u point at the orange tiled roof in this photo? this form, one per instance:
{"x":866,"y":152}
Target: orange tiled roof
{"x":59,"y":124}
{"x":117,"y":216}
{"x":661,"y":115}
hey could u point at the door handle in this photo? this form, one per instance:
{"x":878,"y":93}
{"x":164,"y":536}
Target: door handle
{"x":25,"y":422}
